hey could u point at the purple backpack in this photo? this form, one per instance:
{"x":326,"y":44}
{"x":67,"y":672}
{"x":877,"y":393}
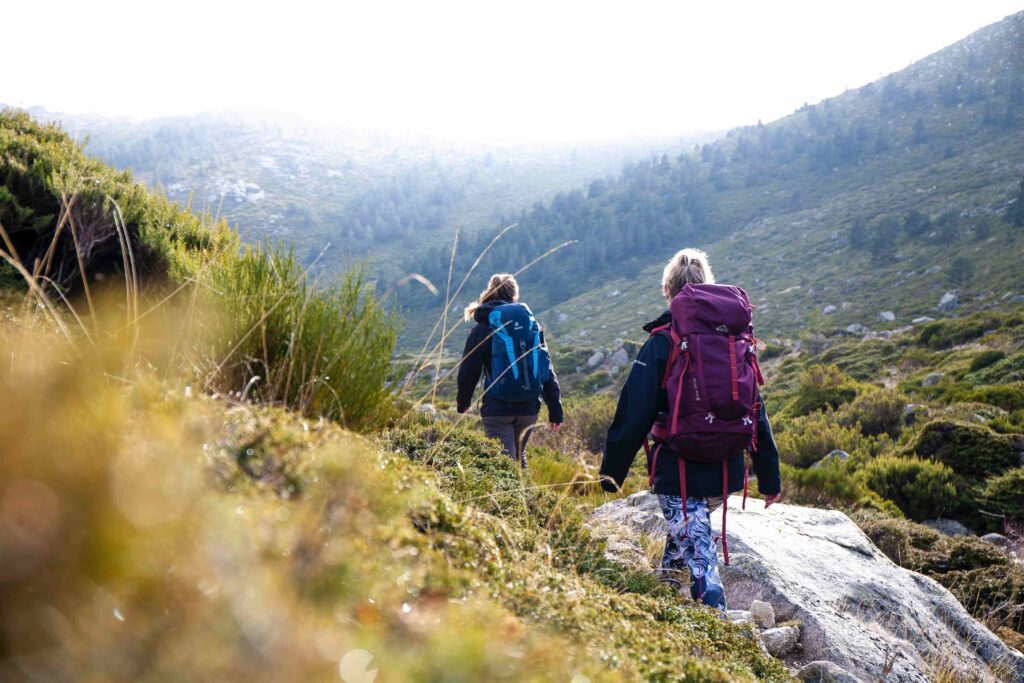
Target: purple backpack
{"x":711,"y":379}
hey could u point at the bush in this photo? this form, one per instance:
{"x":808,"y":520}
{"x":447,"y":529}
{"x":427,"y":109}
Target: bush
{"x":985,"y":359}
{"x":319,"y":350}
{"x":878,"y":412}
{"x":972,"y":451}
{"x":804,"y":441}
{"x":821,"y":387}
{"x":1009,"y":369}
{"x":920,"y":488}
{"x":1009,"y":397}
{"x":831,"y":486}
{"x":1004,"y":494}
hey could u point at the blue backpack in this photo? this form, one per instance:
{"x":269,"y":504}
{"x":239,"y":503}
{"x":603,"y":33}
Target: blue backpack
{"x":519,"y":362}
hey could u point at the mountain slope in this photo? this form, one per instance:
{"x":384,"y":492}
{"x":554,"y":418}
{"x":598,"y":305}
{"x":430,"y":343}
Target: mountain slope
{"x":834,"y":204}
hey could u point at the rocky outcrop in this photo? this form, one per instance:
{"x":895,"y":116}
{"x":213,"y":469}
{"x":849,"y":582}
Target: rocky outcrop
{"x":855,"y":607}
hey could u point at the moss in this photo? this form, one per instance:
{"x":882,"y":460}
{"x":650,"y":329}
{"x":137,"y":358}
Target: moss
{"x":971,"y":451}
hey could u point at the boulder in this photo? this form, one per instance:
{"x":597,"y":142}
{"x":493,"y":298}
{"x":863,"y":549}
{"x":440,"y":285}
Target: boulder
{"x":832,"y":455}
{"x":932,"y":378}
{"x":856,"y":328}
{"x":824,"y":672}
{"x":857,"y":609}
{"x":620,"y":359}
{"x":829,"y":309}
{"x":780,"y":641}
{"x":947,"y":527}
{"x":996,"y":539}
{"x":562,"y":317}
{"x":949,"y":301}
{"x":887,"y":316}
{"x":763,"y":613}
{"x":596,"y":359}
{"x":738,"y":615}
{"x":921,"y":320}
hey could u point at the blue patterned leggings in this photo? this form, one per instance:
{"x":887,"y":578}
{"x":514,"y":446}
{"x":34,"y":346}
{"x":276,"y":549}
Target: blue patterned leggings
{"x":690,"y":545}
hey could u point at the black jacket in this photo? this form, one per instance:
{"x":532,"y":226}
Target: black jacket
{"x":476,"y":357}
{"x":642,"y":399}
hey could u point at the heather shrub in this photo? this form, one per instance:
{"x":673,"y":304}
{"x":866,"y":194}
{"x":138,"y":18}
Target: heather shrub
{"x":804,"y":441}
{"x":920,"y":488}
{"x":878,"y":412}
{"x":822,"y":387}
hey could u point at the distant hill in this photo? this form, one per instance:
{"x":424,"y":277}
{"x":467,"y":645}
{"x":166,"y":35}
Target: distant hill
{"x":365,"y":193}
{"x":881,"y":199}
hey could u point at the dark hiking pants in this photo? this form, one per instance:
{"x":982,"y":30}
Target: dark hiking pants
{"x":512,"y":431}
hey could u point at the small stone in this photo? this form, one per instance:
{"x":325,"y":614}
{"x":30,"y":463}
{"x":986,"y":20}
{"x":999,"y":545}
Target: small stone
{"x":780,"y":641}
{"x":595,"y":360}
{"x":832,"y":455}
{"x":856,"y":328}
{"x":932,"y":378}
{"x":996,"y":539}
{"x":887,"y":316}
{"x":923,"y":319}
{"x":562,"y":317}
{"x":949,"y":301}
{"x":763,"y":613}
{"x":948,"y":527}
{"x":738,"y":615}
{"x":824,"y":672}
{"x":829,"y":309}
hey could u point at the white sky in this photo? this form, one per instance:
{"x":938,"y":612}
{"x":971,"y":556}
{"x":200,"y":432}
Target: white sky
{"x":520,"y":71}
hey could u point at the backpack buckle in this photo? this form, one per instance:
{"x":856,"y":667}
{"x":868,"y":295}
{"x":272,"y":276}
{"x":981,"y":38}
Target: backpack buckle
{"x":683,"y":345}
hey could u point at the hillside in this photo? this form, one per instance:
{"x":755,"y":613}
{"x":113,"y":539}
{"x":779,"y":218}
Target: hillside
{"x":883,"y":198}
{"x":365,"y":193}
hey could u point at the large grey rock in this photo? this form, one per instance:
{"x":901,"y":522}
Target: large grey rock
{"x":996,"y":539}
{"x":596,"y":359}
{"x":932,"y":378}
{"x":828,"y":310}
{"x":947,"y":527}
{"x":780,"y":641}
{"x":825,"y":672}
{"x":857,"y":608}
{"x":949,"y":301}
{"x":887,"y":316}
{"x":763,"y":613}
{"x":620,"y":359}
{"x":923,"y":319}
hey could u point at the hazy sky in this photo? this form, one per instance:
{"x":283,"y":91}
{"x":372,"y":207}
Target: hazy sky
{"x":516,"y":71}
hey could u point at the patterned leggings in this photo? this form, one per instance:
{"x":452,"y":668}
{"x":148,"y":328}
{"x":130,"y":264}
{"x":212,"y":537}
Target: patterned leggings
{"x":691,"y":546}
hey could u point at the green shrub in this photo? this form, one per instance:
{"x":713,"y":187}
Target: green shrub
{"x":1004,"y":494}
{"x":878,"y":412}
{"x":1006,"y":396}
{"x":920,"y":488}
{"x":985,"y":359}
{"x":1009,"y":369}
{"x":320,"y":350}
{"x":804,"y":441}
{"x":821,"y":387}
{"x":832,"y":485}
{"x":972,"y":451}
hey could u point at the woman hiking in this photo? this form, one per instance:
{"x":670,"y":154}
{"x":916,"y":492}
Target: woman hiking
{"x":507,"y":347}
{"x":694,"y":389}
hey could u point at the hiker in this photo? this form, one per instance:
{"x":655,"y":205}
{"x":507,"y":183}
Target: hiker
{"x":694,"y":389}
{"x":507,"y":346}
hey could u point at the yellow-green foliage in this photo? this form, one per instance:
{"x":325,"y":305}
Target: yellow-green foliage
{"x":832,"y":485}
{"x":587,"y":419}
{"x":879,"y":411}
{"x":151,"y":533}
{"x":1004,"y":494}
{"x":973,"y":451}
{"x":821,"y":387}
{"x":804,"y":441}
{"x":920,"y":488}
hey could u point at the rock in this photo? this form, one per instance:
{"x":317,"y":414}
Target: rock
{"x":996,"y":539}
{"x":428,"y":410}
{"x":620,"y":359}
{"x":780,"y":641}
{"x":949,"y":301}
{"x":872,"y":618}
{"x":763,"y":613}
{"x":618,"y":343}
{"x":825,"y":672}
{"x":931,"y":270}
{"x":947,"y":527}
{"x":932,"y":378}
{"x":738,"y":615}
{"x":562,"y":317}
{"x":829,"y":309}
{"x":913,"y":411}
{"x":832,"y":455}
{"x":856,"y":328}
{"x":887,"y":316}
{"x":923,"y":319}
{"x":595,"y":360}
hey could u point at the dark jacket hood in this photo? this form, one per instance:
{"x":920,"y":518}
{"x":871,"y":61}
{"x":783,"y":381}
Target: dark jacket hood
{"x":663,"y":319}
{"x":484,"y":309}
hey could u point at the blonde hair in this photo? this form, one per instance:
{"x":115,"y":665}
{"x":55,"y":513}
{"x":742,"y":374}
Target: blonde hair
{"x":502,"y":286}
{"x":688,"y":266}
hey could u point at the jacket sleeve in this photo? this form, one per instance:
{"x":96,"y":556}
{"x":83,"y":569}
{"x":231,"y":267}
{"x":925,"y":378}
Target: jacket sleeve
{"x":471,"y":367}
{"x":636,"y":412}
{"x":766,"y":458}
{"x":551,"y":392}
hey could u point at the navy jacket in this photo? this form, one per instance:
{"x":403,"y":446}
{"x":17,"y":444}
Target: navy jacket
{"x":476,"y":360}
{"x":642,"y":399}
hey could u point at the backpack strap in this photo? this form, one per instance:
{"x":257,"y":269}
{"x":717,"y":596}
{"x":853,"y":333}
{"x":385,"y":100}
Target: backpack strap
{"x":725,"y":508}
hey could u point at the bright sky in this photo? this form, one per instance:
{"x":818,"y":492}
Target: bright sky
{"x":521,"y":71}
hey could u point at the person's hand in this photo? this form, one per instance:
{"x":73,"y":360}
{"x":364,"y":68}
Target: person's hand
{"x":555,"y":426}
{"x":773,"y":498}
